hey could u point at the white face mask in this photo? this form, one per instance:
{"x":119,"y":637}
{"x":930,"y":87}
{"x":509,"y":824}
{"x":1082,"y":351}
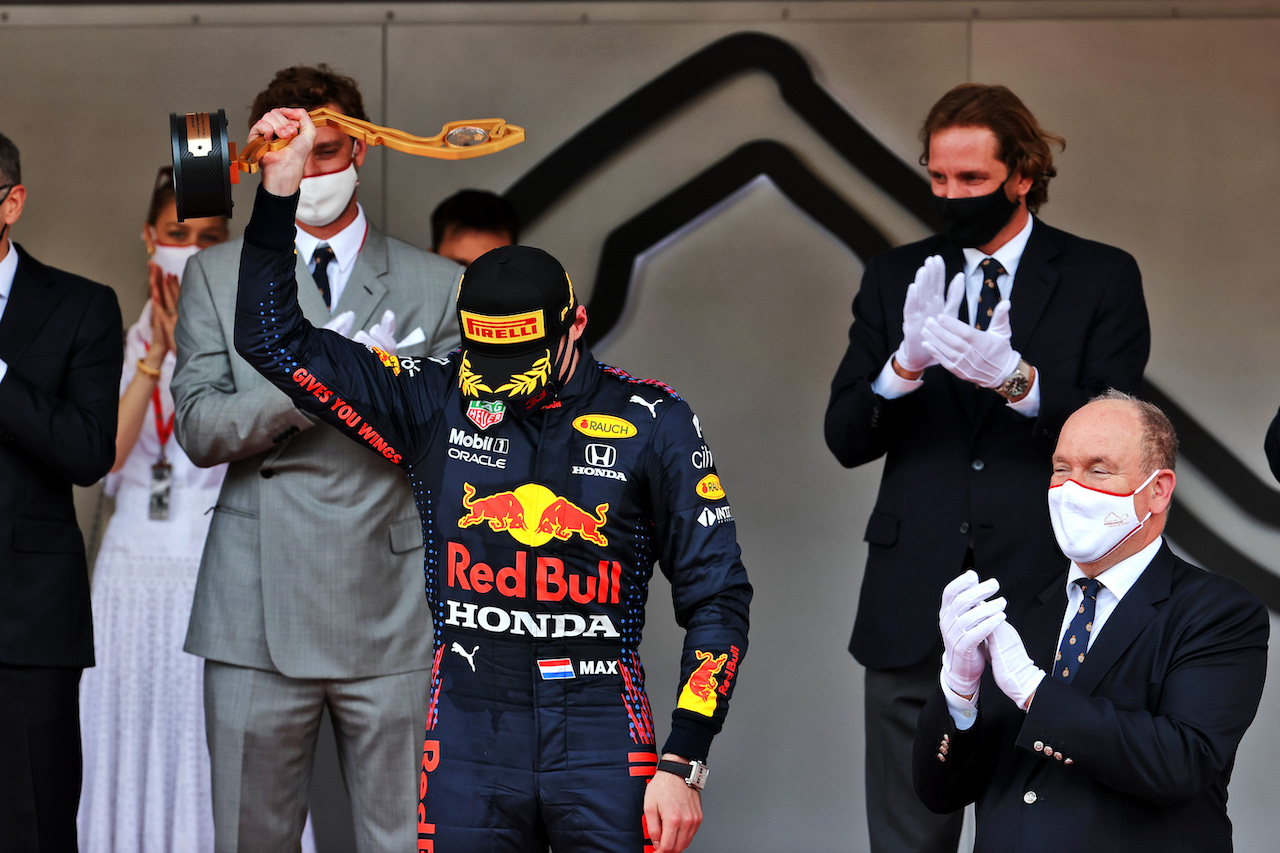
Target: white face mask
{"x":324,"y":197}
{"x":170,"y":258}
{"x":1089,"y":524}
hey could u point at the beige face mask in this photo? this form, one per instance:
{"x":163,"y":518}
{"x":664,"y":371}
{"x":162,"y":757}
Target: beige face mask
{"x":324,"y":197}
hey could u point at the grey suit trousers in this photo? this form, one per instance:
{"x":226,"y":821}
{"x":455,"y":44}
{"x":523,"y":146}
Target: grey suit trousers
{"x":262,"y":736}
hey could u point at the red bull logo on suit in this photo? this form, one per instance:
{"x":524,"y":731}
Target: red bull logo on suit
{"x":534,"y":515}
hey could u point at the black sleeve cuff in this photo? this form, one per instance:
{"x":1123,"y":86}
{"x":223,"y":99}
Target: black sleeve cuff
{"x":689,"y":738}
{"x":271,"y":224}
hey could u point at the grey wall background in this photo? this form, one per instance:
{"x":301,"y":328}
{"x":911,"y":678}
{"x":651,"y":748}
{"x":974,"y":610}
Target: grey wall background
{"x":1170,"y":113}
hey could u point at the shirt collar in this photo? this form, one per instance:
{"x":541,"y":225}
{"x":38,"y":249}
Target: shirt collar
{"x":345,"y":244}
{"x":8,"y":269}
{"x":1121,"y":577}
{"x":1009,"y":255}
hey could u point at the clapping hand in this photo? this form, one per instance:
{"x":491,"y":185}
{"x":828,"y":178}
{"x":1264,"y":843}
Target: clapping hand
{"x":381,"y":335}
{"x":985,"y":358}
{"x":925,"y":299}
{"x":164,"y":313}
{"x":966,"y":619}
{"x":1015,"y":673}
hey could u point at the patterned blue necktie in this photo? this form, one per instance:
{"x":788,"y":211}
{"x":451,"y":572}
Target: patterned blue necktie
{"x":322,"y":257}
{"x":989,"y":296}
{"x":1075,"y":643}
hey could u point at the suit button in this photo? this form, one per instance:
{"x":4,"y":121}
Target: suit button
{"x":266,"y":473}
{"x":941,"y":757}
{"x":1057,"y":756}
{"x":1038,"y":745}
{"x":977,"y":465}
{"x":1029,"y":797}
{"x":1068,"y":761}
{"x":964,"y":527}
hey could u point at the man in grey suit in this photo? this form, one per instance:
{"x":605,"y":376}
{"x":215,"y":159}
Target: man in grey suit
{"x":308,"y":595}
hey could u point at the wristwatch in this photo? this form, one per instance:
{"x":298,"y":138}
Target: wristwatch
{"x":694,"y":773}
{"x":1016,"y":383}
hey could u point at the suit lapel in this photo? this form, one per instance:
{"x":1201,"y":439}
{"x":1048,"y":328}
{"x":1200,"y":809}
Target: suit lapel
{"x":309,"y":297}
{"x":31,"y":300}
{"x":1034,"y":284}
{"x":365,"y":289}
{"x":1032,"y":287}
{"x":1044,"y":622}
{"x":1135,"y":610}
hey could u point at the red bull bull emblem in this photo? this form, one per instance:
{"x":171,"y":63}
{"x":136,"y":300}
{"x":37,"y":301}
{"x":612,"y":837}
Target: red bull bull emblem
{"x":387,"y":359}
{"x":515,"y":511}
{"x":699,"y":692}
{"x":486,"y":413}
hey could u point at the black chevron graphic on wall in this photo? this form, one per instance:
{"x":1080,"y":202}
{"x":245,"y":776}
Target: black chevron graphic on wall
{"x":574,"y":161}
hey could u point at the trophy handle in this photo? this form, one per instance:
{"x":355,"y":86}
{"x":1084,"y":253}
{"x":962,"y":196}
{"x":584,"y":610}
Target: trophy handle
{"x":458,"y":140}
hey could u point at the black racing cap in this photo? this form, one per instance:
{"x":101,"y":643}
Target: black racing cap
{"x":515,"y":303}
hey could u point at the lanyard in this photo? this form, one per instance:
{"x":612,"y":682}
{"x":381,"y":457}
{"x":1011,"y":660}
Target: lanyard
{"x":163,"y":430}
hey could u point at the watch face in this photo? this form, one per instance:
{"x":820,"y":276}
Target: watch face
{"x":1015,"y":386}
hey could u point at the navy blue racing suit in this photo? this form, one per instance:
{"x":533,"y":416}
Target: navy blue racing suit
{"x":540,"y":539}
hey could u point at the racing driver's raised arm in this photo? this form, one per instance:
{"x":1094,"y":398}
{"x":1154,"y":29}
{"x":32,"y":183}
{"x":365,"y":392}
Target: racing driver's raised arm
{"x":360,"y":390}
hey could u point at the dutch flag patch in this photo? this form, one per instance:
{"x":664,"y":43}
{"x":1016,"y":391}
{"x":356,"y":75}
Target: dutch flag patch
{"x":557,"y":668}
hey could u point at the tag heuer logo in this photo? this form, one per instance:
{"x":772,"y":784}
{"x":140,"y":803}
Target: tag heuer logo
{"x":485,"y":414}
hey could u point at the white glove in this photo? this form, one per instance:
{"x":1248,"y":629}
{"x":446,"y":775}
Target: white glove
{"x":925,"y":299}
{"x":1016,"y":674}
{"x":381,"y":334}
{"x":966,"y":619}
{"x":341,"y":323}
{"x":983,"y":358}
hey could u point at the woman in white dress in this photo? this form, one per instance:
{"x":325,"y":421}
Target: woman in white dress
{"x":146,"y":764}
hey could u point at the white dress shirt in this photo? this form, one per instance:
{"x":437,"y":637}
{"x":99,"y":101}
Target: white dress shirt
{"x":890,"y":385}
{"x":346,"y":245}
{"x":1115,"y":584}
{"x":8,"y":269}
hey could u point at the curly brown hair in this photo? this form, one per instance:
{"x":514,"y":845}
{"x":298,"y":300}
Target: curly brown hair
{"x":308,"y":87}
{"x":1024,"y":144}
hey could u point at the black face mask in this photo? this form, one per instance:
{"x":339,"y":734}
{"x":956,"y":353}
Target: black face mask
{"x":973,"y":222}
{"x":526,"y":409}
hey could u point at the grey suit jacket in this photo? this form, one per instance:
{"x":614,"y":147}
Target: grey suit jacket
{"x":313,"y":565}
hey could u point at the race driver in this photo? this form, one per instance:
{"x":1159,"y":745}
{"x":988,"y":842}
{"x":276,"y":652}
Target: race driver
{"x":547,"y":484}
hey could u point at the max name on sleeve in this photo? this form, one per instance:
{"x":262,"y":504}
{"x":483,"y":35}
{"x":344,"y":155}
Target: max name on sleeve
{"x":346,"y":413}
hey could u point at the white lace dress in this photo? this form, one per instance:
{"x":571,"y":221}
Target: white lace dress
{"x":146,"y":763}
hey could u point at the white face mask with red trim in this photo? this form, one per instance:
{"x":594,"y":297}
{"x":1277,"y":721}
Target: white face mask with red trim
{"x":171,"y":258}
{"x":1089,"y":524}
{"x":324,"y":197}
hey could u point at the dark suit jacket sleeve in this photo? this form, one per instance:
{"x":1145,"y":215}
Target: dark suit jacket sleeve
{"x":950,"y":783}
{"x":1115,"y":350}
{"x":74,"y":431}
{"x":1206,"y":701}
{"x":858,"y":422}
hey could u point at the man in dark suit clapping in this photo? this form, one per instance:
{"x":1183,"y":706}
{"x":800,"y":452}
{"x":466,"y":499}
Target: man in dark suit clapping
{"x":1118,"y":690}
{"x":60,"y":353}
{"x":962,"y":390}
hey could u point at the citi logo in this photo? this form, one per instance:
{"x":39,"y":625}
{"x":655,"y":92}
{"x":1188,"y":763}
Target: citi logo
{"x":601,"y":455}
{"x":702,"y":458}
{"x":710,"y":517}
{"x":488,"y":443}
